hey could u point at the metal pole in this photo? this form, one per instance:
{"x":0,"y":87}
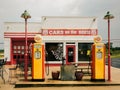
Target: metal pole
{"x":25,"y":66}
{"x":109,"y":16}
{"x":109,"y":58}
{"x":26,"y":15}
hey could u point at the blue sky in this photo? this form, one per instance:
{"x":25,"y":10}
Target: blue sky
{"x":11,"y":10}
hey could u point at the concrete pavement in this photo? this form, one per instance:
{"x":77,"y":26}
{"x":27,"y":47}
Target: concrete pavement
{"x":18,"y":82}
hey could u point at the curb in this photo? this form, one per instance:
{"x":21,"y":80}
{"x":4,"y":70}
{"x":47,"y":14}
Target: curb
{"x":61,"y":85}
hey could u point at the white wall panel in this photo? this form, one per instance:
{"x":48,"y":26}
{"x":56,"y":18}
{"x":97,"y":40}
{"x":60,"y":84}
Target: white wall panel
{"x":20,"y":27}
{"x":7,"y":48}
{"x":69,"y":22}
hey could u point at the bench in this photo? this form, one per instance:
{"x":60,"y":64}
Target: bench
{"x":84,"y":67}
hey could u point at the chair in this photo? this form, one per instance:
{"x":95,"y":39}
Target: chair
{"x":13,"y":69}
{"x":5,"y":60}
{"x":2,"y":63}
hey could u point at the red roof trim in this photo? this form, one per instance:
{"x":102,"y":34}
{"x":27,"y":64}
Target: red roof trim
{"x":19,"y":34}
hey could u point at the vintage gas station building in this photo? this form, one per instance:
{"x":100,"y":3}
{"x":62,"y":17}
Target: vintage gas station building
{"x":69,"y":37}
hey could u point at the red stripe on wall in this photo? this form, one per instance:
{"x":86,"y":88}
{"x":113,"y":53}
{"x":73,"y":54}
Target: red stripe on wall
{"x":19,"y":34}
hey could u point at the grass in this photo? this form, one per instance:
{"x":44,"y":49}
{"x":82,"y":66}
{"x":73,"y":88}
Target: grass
{"x":115,"y":54}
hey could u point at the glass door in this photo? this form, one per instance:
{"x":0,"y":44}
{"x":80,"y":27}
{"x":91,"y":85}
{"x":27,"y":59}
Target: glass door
{"x":70,"y":53}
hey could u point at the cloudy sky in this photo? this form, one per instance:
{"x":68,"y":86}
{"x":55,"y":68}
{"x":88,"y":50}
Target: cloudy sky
{"x":11,"y":10}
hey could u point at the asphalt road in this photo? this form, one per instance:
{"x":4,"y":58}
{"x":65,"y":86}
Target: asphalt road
{"x":115,"y":62}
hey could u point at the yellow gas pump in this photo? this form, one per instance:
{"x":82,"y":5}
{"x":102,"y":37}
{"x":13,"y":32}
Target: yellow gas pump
{"x":98,"y":60}
{"x":38,"y":59}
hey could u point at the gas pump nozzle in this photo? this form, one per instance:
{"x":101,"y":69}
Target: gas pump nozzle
{"x":63,"y":60}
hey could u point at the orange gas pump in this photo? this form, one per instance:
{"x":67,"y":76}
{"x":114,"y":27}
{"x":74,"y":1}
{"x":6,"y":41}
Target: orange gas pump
{"x":38,"y":60}
{"x":98,"y":61}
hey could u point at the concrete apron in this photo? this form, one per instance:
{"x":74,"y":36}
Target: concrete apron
{"x":86,"y":81}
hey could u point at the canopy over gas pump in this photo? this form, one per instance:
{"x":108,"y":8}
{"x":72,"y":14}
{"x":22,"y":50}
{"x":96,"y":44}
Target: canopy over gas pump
{"x":98,"y":60}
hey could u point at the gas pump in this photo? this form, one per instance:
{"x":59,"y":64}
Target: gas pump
{"x":98,"y":60}
{"x":38,"y":59}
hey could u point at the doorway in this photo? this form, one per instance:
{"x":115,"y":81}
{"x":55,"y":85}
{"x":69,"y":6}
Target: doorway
{"x":70,"y":54}
{"x":18,"y":50}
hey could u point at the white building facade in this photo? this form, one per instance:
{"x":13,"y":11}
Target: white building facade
{"x":68,"y":37}
{"x":14,"y":39}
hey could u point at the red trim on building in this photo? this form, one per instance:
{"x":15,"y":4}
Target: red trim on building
{"x":19,"y":34}
{"x":8,"y":63}
{"x":11,"y":58}
{"x":93,"y":60}
{"x":67,"y":53}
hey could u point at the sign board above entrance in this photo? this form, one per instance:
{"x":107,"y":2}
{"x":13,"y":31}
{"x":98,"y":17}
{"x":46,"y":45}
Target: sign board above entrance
{"x":86,"y":32}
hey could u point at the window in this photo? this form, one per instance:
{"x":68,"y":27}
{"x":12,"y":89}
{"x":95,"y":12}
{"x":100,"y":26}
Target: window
{"x":84,"y":51}
{"x":14,"y":47}
{"x":22,"y":47}
{"x":54,"y":51}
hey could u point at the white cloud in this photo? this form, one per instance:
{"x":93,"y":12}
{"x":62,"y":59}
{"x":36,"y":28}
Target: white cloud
{"x":11,"y":11}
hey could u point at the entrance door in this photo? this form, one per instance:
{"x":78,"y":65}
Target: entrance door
{"x":70,"y":53}
{"x":18,"y":50}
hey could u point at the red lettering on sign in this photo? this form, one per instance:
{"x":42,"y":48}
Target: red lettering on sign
{"x":87,"y":32}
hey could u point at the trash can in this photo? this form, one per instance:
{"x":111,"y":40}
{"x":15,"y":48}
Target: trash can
{"x":67,"y":72}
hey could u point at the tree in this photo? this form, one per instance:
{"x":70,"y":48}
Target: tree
{"x":111,"y":45}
